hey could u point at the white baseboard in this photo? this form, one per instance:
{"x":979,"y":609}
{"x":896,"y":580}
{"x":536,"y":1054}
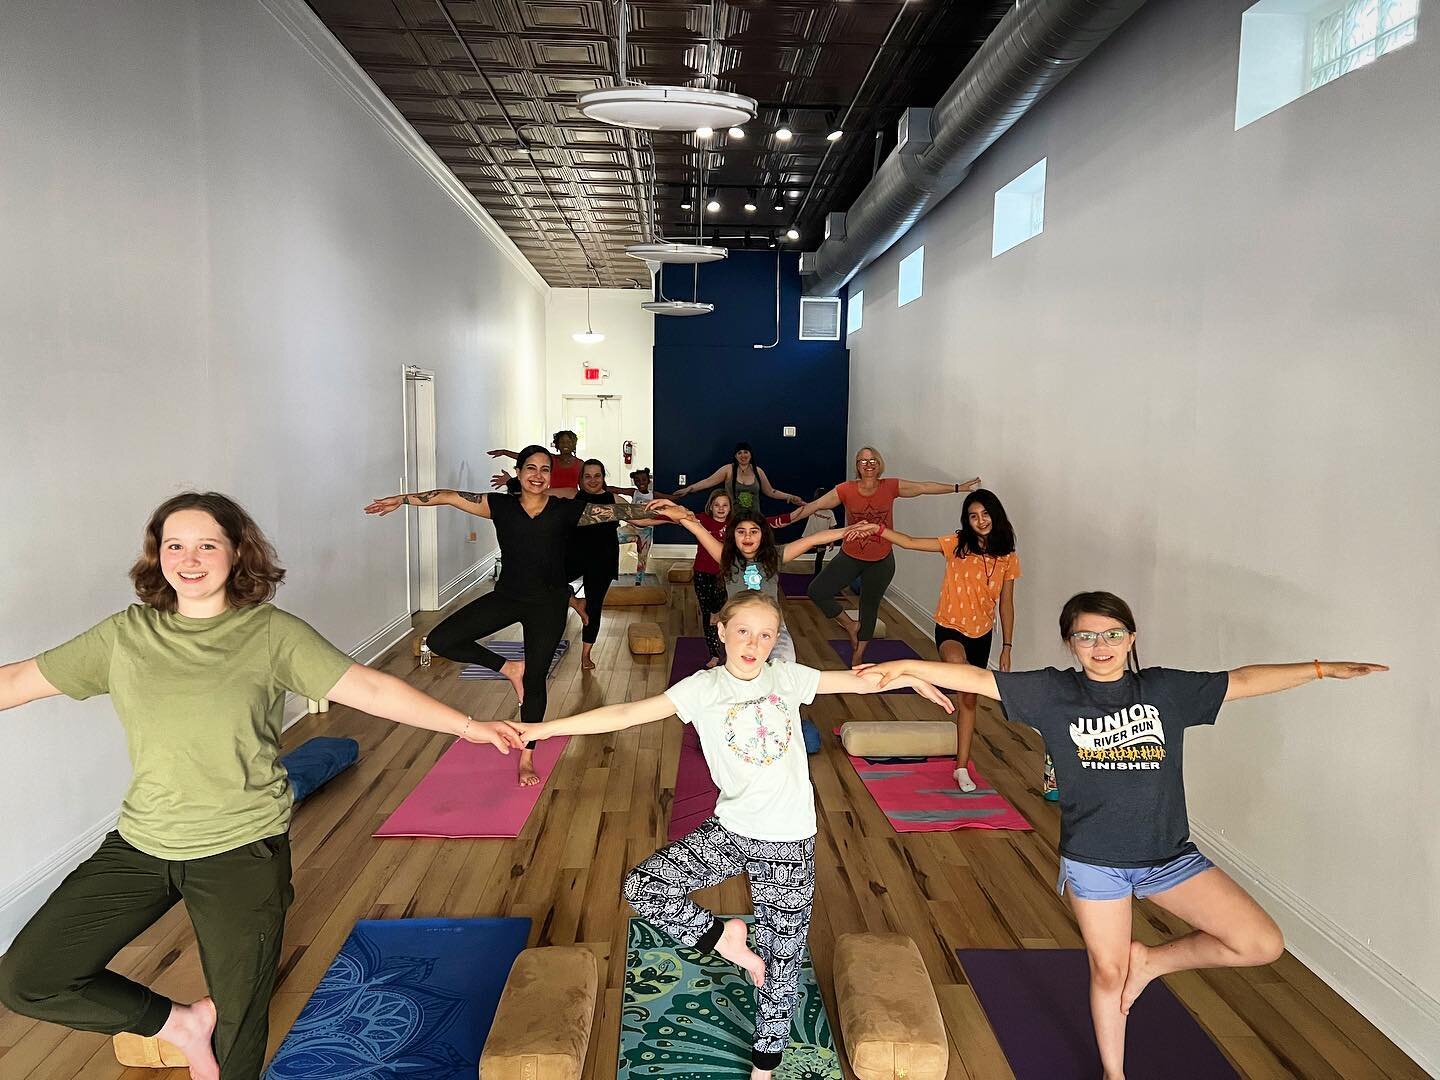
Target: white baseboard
{"x":1406,"y":1014}
{"x":468,"y":578}
{"x":23,"y":898}
{"x":672,"y":551}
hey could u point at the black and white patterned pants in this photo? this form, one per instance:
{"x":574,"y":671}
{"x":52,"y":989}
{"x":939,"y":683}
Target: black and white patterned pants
{"x":782,"y":889}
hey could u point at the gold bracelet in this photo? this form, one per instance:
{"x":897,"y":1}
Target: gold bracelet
{"x":464,"y":731}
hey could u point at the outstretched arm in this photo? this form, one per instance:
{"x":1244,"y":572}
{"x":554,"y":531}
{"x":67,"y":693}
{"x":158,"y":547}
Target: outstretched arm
{"x":774,"y":493}
{"x":505,"y":453}
{"x":712,"y":546}
{"x":847,"y":682}
{"x":716,"y":477}
{"x":909,"y":488}
{"x":606,"y":718}
{"x":1257,"y":679}
{"x":384,"y":695}
{"x":795,"y":548}
{"x":911,"y":543}
{"x":22,"y":683}
{"x":828,"y":501}
{"x":962,"y":677}
{"x":472,"y":502}
{"x":603,"y":513}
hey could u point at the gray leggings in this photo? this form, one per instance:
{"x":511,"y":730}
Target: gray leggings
{"x":874,"y":580}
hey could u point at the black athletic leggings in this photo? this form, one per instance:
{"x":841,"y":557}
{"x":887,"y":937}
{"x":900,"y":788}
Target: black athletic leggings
{"x":710,"y":598}
{"x":843,"y":569}
{"x":542,"y":622}
{"x":596,"y":577}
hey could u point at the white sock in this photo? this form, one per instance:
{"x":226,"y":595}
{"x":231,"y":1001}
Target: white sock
{"x":962,"y":777}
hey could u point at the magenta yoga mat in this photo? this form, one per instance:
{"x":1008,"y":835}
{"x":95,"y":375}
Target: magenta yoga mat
{"x":922,"y":797}
{"x":1038,"y":1003}
{"x":472,"y":791}
{"x":695,"y":792}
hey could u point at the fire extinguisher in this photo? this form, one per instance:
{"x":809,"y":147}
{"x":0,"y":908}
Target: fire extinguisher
{"x":627,"y":450}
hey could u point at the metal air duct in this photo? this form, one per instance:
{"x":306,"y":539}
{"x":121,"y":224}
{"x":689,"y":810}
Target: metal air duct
{"x":1032,"y":49}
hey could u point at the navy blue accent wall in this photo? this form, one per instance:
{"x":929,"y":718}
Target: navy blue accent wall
{"x":713,"y":388}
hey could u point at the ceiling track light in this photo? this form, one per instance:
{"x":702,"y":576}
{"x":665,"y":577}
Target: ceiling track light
{"x":833,"y":131}
{"x":792,"y":233}
{"x":736,"y":133}
{"x":712,"y":204}
{"x":750,"y":198}
{"x":784,"y":132}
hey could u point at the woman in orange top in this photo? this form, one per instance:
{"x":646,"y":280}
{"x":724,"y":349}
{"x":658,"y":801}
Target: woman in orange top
{"x":869,"y":497}
{"x":981,"y":568}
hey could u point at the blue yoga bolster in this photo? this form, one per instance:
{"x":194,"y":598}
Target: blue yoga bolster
{"x":316,"y":762}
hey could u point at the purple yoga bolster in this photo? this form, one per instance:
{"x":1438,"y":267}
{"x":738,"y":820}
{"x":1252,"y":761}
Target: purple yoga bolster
{"x":1038,"y":1003}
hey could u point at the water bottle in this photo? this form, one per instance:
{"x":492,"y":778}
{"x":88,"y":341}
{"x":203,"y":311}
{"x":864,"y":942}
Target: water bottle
{"x":424,"y":654}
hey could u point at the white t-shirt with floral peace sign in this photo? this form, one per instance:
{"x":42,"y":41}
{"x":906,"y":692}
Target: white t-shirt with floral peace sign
{"x":750,"y":733}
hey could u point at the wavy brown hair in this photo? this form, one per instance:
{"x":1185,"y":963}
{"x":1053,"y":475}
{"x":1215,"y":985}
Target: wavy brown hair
{"x":255,"y":574}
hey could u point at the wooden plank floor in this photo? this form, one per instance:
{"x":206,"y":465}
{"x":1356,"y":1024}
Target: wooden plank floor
{"x":606,"y":807}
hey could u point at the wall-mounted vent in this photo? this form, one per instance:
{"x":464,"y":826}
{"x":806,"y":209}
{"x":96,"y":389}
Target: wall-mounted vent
{"x":819,"y":318}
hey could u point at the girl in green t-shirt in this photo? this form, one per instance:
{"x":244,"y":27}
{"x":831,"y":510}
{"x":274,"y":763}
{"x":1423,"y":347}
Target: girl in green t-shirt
{"x":198,"y":672}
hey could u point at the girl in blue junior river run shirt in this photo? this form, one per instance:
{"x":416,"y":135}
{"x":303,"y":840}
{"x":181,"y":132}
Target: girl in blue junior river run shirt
{"x":1117,"y":735}
{"x":747,"y":715}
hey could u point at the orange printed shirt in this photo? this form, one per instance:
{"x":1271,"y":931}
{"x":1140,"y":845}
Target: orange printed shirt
{"x":971,"y":588}
{"x":879,"y":508}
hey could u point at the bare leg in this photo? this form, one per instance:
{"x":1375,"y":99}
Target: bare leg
{"x":852,"y":631}
{"x":1105,"y":925}
{"x":1231,"y":930}
{"x":760,"y":1074}
{"x":586,"y":663}
{"x":514,"y":670}
{"x":189,"y":1029}
{"x":578,"y":605}
{"x":734,"y":947}
{"x":952,"y":652}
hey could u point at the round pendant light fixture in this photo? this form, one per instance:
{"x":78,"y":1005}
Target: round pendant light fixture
{"x":676,"y":253}
{"x":667,"y":108}
{"x":678,"y":307}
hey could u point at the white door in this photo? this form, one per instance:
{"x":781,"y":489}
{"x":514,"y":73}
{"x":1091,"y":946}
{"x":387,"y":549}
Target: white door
{"x":597,"y":422}
{"x":422,"y":539}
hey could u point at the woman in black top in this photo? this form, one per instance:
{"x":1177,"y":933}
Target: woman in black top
{"x":1116,"y":733}
{"x":533,"y":530}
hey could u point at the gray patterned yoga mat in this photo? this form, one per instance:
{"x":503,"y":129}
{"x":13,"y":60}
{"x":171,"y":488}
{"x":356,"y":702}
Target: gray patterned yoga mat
{"x":509,"y":650}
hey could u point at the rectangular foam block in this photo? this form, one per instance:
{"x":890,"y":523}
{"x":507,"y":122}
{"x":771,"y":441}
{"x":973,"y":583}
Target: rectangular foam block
{"x":889,"y":1017}
{"x":645,"y":638}
{"x":899,"y":738}
{"x":636,"y":596}
{"x":146,"y":1052}
{"x":681,"y":575}
{"x":542,"y":1025}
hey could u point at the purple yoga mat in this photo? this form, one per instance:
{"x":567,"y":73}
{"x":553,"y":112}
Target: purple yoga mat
{"x":877,"y":652}
{"x":695,"y":792}
{"x":1038,"y":1003}
{"x":795,"y":585}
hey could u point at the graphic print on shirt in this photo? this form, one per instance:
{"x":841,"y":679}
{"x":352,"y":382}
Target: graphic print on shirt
{"x":1132,"y":737}
{"x":752,"y":577}
{"x":758,"y":731}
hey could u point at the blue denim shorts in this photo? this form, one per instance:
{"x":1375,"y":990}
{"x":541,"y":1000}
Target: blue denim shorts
{"x":1090,"y":882}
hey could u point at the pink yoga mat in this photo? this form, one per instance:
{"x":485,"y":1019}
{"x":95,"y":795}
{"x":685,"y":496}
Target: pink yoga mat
{"x":695,"y":792}
{"x":472,"y":791}
{"x":922,"y":797}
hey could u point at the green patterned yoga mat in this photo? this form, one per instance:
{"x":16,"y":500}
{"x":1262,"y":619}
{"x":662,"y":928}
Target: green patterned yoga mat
{"x":691,"y":1016}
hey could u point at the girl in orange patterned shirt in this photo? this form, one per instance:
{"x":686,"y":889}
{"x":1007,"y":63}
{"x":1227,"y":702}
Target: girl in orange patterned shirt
{"x":981,"y":568}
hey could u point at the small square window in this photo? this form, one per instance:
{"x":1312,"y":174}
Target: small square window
{"x":1020,"y":209}
{"x":1290,"y":47}
{"x":853,"y":312}
{"x":912,"y":276}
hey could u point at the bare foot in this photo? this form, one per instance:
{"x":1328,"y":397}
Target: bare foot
{"x":189,"y":1029}
{"x":586,"y":664}
{"x":1139,"y":977}
{"x":528,"y":776}
{"x":858,"y":651}
{"x":732,"y":946}
{"x":579,"y":605}
{"x":852,"y":631}
{"x":760,"y":1074}
{"x":514,"y":670}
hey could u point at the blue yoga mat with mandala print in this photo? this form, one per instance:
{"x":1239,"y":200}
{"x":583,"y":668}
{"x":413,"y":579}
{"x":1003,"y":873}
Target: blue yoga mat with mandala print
{"x":405,"y":998}
{"x":689,"y":1015}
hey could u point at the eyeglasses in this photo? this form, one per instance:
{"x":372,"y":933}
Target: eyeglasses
{"x":1087,"y":639}
{"x":867,"y":461}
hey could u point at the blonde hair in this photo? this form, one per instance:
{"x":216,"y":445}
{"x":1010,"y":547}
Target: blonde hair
{"x":878,"y":456}
{"x":748,"y":598}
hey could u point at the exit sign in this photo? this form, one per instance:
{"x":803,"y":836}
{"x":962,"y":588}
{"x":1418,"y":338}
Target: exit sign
{"x":594,"y":374}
